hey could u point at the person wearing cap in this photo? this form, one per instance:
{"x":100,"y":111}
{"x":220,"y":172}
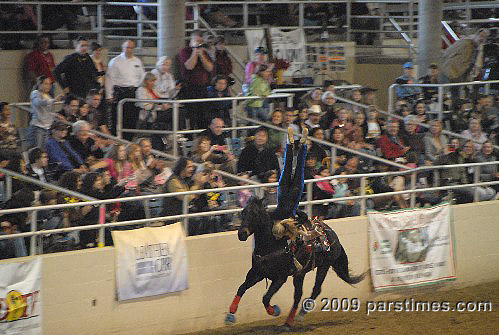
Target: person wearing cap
{"x":314,"y":117}
{"x":60,"y":151}
{"x":462,"y":61}
{"x":408,"y":93}
{"x":250,"y":70}
{"x":431,"y":93}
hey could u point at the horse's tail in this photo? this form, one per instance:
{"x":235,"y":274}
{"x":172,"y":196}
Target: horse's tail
{"x":340,"y":266}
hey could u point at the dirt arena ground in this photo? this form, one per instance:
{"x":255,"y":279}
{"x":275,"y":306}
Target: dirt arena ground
{"x":377,"y":323}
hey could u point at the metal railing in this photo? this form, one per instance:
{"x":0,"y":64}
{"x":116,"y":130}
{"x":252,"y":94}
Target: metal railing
{"x":185,"y":215}
{"x":441,"y":87}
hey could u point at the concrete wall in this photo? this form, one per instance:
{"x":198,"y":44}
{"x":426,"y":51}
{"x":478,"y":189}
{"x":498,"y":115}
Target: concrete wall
{"x":79,"y":292}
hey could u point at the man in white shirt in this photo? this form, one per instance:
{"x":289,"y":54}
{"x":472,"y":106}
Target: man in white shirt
{"x":124,"y":74}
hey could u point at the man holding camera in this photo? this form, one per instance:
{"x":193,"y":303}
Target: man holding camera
{"x":196,"y":68}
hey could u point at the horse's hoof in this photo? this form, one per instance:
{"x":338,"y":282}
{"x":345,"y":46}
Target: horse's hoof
{"x":301,"y":316}
{"x":277,"y":311}
{"x":230,"y":319}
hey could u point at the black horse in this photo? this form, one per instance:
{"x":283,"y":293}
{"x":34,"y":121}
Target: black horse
{"x":272,"y":259}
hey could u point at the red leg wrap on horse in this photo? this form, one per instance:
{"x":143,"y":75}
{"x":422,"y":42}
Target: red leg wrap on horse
{"x":270,"y":310}
{"x":235,"y":302}
{"x":291,"y":317}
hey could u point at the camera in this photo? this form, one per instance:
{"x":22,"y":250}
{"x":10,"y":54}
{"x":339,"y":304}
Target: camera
{"x":203,"y":45}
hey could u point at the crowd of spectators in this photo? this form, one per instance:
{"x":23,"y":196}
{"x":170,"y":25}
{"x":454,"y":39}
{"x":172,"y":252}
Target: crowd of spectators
{"x":63,"y":148}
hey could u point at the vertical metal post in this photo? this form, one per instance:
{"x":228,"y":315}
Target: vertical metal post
{"x":436,"y":178}
{"x":363,"y":182}
{"x":32,"y":240}
{"x":140,"y":27}
{"x":290,"y":99}
{"x":175,"y":128}
{"x":102,"y":220}
{"x":349,"y":20}
{"x":301,"y":15}
{"x":440,"y":102}
{"x":390,"y":98}
{"x":487,"y":89}
{"x":413,"y":187}
{"x":8,"y":187}
{"x":185,"y":211}
{"x":39,"y":18}
{"x":309,"y":198}
{"x":476,"y":179}
{"x":468,"y":13}
{"x":333,"y":159}
{"x":195,"y":16}
{"x":245,"y":15}
{"x":119,"y":120}
{"x":100,"y":25}
{"x":411,"y":22}
{"x":233,"y":118}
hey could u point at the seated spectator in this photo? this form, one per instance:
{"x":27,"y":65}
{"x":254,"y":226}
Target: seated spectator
{"x":344,"y":121}
{"x":259,"y":86}
{"x":435,"y":143}
{"x":322,"y":190}
{"x":343,"y":208}
{"x":312,"y":166}
{"x":358,"y":142}
{"x":338,"y":138}
{"x":223,"y":63}
{"x":83,"y":143}
{"x":219,"y":109}
{"x":359,"y":121}
{"x":414,"y":140}
{"x":92,"y":186}
{"x":20,"y":221}
{"x":60,"y":151}
{"x":277,"y":138}
{"x":314,"y":117}
{"x":475,"y":133}
{"x":312,"y":98}
{"x":215,"y":132}
{"x":391,"y":143}
{"x":69,"y":113}
{"x":490,"y":115}
{"x":8,"y":134}
{"x":420,"y":112}
{"x":166,"y":86}
{"x":221,"y":158}
{"x":328,"y":108}
{"x":99,"y":116}
{"x":409,"y":93}
{"x":18,"y":165}
{"x":11,"y":248}
{"x":489,"y":172}
{"x":289,"y":117}
{"x":270,"y":193}
{"x":42,"y":115}
{"x":182,"y":180}
{"x":83,"y":112}
{"x":150,"y":160}
{"x":355,"y":96}
{"x":257,"y":157}
{"x":300,"y":123}
{"x":319,"y":150}
{"x":38,"y":164}
{"x":459,"y":175}
{"x":373,"y":126}
{"x":368,"y":96}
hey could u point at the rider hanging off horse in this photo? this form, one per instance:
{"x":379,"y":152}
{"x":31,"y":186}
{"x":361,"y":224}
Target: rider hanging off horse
{"x":290,"y":222}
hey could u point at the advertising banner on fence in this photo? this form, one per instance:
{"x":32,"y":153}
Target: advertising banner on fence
{"x":20,"y":300}
{"x":411,"y":247}
{"x":150,"y":261}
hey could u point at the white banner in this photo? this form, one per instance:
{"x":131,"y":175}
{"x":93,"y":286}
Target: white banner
{"x":20,"y":299}
{"x":411,"y":247}
{"x":150,"y":261}
{"x":286,"y":45}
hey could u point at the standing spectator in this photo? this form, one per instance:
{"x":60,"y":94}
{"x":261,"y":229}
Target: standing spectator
{"x":257,"y":157}
{"x":42,"y":115}
{"x":148,"y":111}
{"x":259,"y":87}
{"x":391,"y":144}
{"x":165,"y":83}
{"x":408,"y":93}
{"x":460,"y":62}
{"x":96,"y":54}
{"x":77,"y":74}
{"x":435,"y":143}
{"x":40,"y":62}
{"x":60,"y":151}
{"x":8,"y":134}
{"x":250,"y":70}
{"x":475,"y":133}
{"x":223,"y":64}
{"x":124,"y":74}
{"x":196,"y":68}
{"x":219,"y":109}
{"x":431,"y":93}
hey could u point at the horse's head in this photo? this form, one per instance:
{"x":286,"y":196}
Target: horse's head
{"x":251,"y":217}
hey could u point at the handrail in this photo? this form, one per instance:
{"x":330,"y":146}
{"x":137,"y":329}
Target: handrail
{"x":243,"y":187}
{"x":450,"y":31}
{"x":406,"y":38}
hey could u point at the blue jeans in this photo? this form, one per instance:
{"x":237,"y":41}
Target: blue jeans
{"x":38,"y":136}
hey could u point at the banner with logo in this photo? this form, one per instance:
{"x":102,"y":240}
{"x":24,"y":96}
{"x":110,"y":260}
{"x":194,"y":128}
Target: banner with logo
{"x":411,"y":247}
{"x":150,"y":261}
{"x":20,"y":300}
{"x":287,"y":45}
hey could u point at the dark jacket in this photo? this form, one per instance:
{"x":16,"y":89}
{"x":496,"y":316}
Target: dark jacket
{"x":77,"y":72}
{"x":85,"y":149}
{"x":257,"y":161}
